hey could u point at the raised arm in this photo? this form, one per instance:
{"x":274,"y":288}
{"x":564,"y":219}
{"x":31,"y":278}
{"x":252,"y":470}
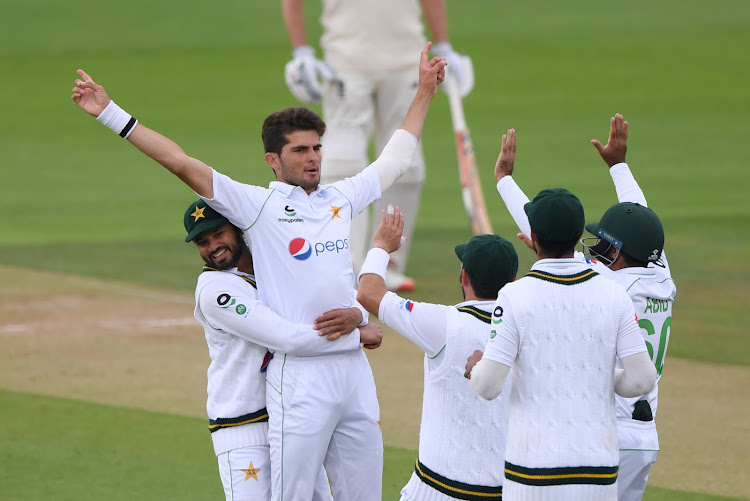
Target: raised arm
{"x":613,"y":154}
{"x":93,"y":99}
{"x":511,"y":194}
{"x":459,"y":65}
{"x":423,"y":324}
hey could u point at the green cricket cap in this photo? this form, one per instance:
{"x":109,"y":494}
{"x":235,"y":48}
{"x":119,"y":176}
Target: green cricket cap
{"x":634,"y":229}
{"x":490,"y":260}
{"x":556,"y":215}
{"x":200,"y":217}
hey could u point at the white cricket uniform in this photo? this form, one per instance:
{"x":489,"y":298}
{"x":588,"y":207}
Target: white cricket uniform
{"x":372,"y":47}
{"x":323,"y":410}
{"x":652,"y":291}
{"x":462,"y":436}
{"x":238,"y":330}
{"x":561,"y":328}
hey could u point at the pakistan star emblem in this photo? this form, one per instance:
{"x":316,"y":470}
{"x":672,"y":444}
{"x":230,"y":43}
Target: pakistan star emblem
{"x":250,"y":472}
{"x":198,"y":213}
{"x":335,"y":211}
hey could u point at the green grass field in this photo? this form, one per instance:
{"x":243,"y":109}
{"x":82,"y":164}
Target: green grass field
{"x":79,"y":200}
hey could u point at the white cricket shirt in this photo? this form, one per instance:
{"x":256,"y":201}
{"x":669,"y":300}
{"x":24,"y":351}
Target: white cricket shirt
{"x":299,"y":242}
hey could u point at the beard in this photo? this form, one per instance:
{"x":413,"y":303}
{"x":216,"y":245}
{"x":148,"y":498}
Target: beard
{"x":228,"y":259}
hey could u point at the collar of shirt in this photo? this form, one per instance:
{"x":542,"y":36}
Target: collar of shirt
{"x":235,"y":271}
{"x":288,"y":189}
{"x":563,"y":266}
{"x":484,"y":305}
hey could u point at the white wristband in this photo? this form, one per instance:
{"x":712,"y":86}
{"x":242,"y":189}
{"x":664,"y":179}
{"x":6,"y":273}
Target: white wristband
{"x":375,"y":263}
{"x":117,"y":120}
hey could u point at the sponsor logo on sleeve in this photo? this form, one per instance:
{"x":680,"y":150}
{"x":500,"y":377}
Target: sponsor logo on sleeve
{"x":496,"y":314}
{"x":408,"y":305}
{"x":225,"y":300}
{"x":241,"y":309}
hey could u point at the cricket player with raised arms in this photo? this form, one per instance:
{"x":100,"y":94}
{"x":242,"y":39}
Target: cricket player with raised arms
{"x":462,"y":436}
{"x":627,"y":247}
{"x":322,"y":409}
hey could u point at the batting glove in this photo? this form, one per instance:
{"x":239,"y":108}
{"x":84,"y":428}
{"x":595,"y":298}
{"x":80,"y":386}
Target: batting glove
{"x":304,"y":74}
{"x":459,"y":65}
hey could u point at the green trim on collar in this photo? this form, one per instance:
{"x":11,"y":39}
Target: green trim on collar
{"x":246,"y":279}
{"x":477,"y":313}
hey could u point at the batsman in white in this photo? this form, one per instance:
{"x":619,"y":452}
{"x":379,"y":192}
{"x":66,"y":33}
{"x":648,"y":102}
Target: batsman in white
{"x":462,"y":437}
{"x":369,"y":94}
{"x":627,"y":248}
{"x":239,"y":332}
{"x":561,"y":328}
{"x":321,"y":409}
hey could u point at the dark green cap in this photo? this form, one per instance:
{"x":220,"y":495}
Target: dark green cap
{"x":634,"y":229}
{"x":556,"y":215}
{"x":490,"y":260}
{"x":199,"y":217}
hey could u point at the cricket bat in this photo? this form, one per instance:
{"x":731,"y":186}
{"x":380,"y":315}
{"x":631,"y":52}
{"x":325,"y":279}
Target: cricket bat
{"x":471,"y":187}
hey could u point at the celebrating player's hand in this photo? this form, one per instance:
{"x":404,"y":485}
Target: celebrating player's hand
{"x":431,"y":72}
{"x":371,"y":336}
{"x":89,"y":95}
{"x":507,"y":157}
{"x":472,"y":361}
{"x":338,"y":322}
{"x":388,"y":235}
{"x":617,"y":145}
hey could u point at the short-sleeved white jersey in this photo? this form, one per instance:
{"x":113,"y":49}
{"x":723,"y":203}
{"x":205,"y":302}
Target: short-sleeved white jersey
{"x":369,"y":35}
{"x":299,"y":242}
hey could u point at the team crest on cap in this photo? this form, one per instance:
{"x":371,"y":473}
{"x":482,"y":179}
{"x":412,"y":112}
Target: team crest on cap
{"x":198,"y":213}
{"x":300,"y":249}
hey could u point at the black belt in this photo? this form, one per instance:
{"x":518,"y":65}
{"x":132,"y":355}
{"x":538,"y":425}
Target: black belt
{"x":254,"y":417}
{"x":454,"y":489}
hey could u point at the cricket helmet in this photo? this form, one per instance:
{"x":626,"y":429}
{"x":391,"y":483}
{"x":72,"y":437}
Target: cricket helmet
{"x":633,"y":229}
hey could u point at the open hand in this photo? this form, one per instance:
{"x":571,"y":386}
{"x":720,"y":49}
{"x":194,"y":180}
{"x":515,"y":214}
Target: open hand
{"x":388,"y":235}
{"x":507,"y":157}
{"x":617,"y":145}
{"x":89,"y":95}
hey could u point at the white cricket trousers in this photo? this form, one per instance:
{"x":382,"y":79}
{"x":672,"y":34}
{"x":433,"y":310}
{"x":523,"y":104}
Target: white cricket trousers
{"x":371,"y":103}
{"x":324,"y":410}
{"x":246,"y":473}
{"x":633,"y":474}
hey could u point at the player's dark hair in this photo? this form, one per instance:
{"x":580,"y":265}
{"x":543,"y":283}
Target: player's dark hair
{"x":632,"y":262}
{"x":556,"y":249}
{"x":277,"y":126}
{"x":484,"y":292}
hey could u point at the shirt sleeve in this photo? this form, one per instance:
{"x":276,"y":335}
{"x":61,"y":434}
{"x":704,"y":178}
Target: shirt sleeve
{"x":514,"y":200}
{"x":625,"y":185}
{"x":361,"y":190}
{"x":505,"y":339}
{"x":239,"y":203}
{"x":231,"y":305}
{"x":423,"y":324}
{"x":629,"y":338}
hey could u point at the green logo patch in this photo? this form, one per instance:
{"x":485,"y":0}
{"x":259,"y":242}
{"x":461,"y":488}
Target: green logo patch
{"x":493,"y":333}
{"x":241,"y":309}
